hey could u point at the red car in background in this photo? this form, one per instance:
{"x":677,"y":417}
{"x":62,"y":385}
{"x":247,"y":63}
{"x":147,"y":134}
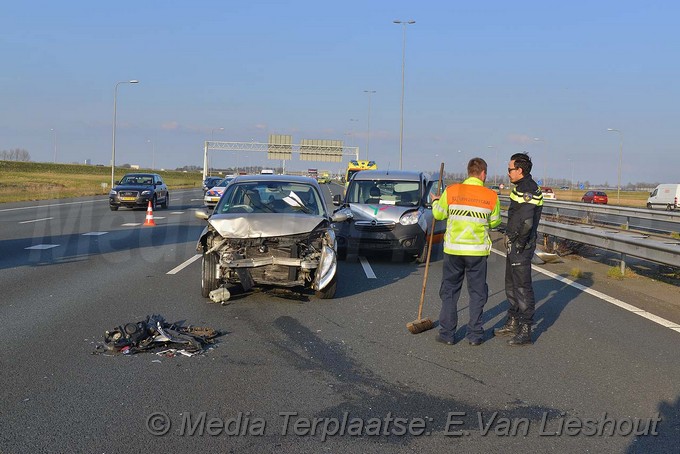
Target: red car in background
{"x":595,"y":197}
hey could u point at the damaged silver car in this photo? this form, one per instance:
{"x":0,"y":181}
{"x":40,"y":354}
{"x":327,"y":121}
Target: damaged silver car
{"x":269,"y":230}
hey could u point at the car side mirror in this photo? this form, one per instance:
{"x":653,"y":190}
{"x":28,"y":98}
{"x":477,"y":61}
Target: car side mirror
{"x":336,"y":199}
{"x":116,"y":183}
{"x":340,"y":216}
{"x":201,"y":214}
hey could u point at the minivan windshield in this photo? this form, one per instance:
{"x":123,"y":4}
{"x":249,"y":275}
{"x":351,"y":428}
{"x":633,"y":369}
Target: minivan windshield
{"x":385,"y":192}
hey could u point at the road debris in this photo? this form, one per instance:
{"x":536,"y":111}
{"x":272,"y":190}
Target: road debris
{"x":156,"y":335}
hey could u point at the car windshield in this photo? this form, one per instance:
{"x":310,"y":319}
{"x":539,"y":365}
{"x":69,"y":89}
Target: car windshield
{"x":384,"y":192}
{"x":223,"y":183}
{"x":270,"y":197}
{"x":137,"y":180}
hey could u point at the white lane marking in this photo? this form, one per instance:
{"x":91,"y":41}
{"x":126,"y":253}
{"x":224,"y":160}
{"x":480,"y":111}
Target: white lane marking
{"x":609,"y":299}
{"x":181,"y":266}
{"x":177,"y":212}
{"x":159,"y":217}
{"x":131,"y":224}
{"x":94,"y":233}
{"x":367,"y":268}
{"x":35,"y":220}
{"x":42,"y":246}
{"x":52,"y":205}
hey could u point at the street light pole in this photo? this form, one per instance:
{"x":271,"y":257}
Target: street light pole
{"x":113,"y":147}
{"x":54,"y":141}
{"x":403,"y":66}
{"x":618,"y":181}
{"x":496,"y":162}
{"x":545,"y":163}
{"x":153,"y":153}
{"x":368,"y":132}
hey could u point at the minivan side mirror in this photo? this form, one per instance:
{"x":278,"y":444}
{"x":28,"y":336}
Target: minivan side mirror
{"x":336,"y":199}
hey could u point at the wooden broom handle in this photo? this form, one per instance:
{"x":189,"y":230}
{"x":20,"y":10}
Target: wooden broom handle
{"x":429,"y":245}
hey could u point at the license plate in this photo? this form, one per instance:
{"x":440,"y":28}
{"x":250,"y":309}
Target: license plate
{"x":128,"y":199}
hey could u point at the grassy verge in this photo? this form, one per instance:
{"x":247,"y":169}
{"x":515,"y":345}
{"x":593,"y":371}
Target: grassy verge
{"x":23,"y":181}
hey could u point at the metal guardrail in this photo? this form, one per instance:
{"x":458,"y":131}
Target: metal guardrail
{"x":646,"y":214}
{"x":623,"y":242}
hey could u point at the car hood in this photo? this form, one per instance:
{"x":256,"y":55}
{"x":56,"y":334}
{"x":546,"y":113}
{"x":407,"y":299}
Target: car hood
{"x":133,"y":187}
{"x":264,"y":225}
{"x":365,"y":211}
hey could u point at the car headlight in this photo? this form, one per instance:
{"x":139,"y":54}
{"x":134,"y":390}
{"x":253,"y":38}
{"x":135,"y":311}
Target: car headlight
{"x":410,"y":218}
{"x":146,"y":192}
{"x":113,"y":192}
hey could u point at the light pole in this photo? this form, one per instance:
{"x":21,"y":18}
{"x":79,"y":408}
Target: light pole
{"x":113,"y":147}
{"x":368,"y":132}
{"x":212,"y":138}
{"x":153,"y":153}
{"x":618,"y":181}
{"x":496,"y":161}
{"x":54,"y":142}
{"x":545,"y":163}
{"x":212,"y":133}
{"x":403,"y":66}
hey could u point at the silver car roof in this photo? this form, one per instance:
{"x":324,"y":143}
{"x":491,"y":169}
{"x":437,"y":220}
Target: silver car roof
{"x":288,"y":178}
{"x":401,"y":175}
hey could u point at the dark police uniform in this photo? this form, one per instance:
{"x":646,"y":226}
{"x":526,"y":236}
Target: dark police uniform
{"x":524,"y":213}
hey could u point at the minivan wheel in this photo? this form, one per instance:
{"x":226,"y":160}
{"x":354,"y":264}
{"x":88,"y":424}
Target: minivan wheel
{"x":649,"y":206}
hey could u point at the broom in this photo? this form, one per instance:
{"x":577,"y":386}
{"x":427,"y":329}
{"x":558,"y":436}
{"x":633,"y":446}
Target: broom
{"x":423,"y":324}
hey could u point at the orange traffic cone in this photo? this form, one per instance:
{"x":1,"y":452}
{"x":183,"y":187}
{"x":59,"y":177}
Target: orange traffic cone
{"x":149,"y":216}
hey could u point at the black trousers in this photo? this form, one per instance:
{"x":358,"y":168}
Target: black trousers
{"x":518,"y":286}
{"x":455,"y":268}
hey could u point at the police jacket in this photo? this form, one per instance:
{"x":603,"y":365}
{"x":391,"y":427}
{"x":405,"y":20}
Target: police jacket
{"x":471,"y":210}
{"x":526,"y":204}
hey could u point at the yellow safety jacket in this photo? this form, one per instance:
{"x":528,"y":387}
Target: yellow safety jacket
{"x":471,"y":210}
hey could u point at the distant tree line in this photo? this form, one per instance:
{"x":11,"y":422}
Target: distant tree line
{"x":16,"y":154}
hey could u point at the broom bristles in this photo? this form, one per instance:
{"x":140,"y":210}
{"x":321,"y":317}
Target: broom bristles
{"x":418,"y":326}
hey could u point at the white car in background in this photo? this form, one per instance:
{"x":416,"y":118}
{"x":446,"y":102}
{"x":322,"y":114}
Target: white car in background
{"x":548,"y":193}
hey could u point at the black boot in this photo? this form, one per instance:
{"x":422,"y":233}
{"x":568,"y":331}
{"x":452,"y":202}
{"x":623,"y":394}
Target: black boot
{"x":523,"y":336}
{"x":509,"y":329}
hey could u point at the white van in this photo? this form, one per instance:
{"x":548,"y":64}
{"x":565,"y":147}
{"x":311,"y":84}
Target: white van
{"x":266,"y":172}
{"x":665,"y":196}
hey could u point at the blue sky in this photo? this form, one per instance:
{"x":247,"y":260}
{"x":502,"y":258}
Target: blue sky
{"x":483,"y":78}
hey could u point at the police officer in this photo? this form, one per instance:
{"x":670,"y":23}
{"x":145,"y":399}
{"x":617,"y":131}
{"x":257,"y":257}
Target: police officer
{"x":470,"y":210}
{"x":524,"y":213}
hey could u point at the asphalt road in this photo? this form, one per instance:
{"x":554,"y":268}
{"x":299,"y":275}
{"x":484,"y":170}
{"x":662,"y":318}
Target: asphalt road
{"x":302,"y":374}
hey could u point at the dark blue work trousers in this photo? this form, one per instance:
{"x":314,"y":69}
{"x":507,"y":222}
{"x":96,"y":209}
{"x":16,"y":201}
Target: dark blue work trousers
{"x":457,"y":267}
{"x":518,"y":286}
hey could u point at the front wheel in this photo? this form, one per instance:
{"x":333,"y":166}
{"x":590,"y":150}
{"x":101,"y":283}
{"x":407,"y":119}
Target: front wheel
{"x":649,"y":206}
{"x":113,"y":208}
{"x":328,"y":292}
{"x":209,"y":281}
{"x":166,"y":201}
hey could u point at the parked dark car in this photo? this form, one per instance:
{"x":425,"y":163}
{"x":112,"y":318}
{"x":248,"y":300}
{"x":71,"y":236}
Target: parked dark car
{"x":269,"y":230}
{"x":389,"y":211}
{"x":210,"y":182}
{"x":135,"y":190}
{"x":595,"y":197}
